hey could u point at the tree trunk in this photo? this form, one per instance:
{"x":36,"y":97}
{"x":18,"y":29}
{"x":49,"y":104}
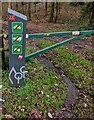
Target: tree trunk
{"x":59,"y":7}
{"x":22,"y":4}
{"x":17,"y":6}
{"x":45,"y":8}
{"x":52,"y":12}
{"x":57,"y":11}
{"x":35,"y":6}
{"x":29,"y":10}
{"x":91,"y":19}
{"x":10,"y":4}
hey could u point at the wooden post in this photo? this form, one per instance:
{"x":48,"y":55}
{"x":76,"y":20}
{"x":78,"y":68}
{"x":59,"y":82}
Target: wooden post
{"x":2,"y":53}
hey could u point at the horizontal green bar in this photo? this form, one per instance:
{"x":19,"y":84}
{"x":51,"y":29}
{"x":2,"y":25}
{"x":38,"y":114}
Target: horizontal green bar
{"x":56,"y":45}
{"x":37,"y":35}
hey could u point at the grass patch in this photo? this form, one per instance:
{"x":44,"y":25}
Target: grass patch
{"x":78,"y":69}
{"x":43,"y":90}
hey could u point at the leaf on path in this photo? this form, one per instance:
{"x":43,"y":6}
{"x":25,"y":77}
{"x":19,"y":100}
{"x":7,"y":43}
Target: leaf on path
{"x":8,"y":116}
{"x":35,"y":114}
{"x":22,"y":109}
{"x":53,"y":97}
{"x":50,"y":115}
{"x":47,"y":95}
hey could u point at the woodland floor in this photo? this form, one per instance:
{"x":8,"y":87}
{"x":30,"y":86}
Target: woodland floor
{"x":79,"y":100}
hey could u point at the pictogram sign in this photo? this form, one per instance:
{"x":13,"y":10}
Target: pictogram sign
{"x":17,"y":39}
{"x":16,"y":49}
{"x":17,"y":27}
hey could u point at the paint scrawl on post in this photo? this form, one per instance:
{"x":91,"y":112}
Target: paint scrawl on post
{"x":17,"y":75}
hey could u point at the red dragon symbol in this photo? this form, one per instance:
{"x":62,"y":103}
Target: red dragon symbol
{"x":12,"y":18}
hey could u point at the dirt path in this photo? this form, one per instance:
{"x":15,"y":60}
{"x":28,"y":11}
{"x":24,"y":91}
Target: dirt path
{"x":72,"y":91}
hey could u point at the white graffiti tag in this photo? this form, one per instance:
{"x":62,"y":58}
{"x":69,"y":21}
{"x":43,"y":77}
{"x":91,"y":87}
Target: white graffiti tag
{"x":17,"y":75}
